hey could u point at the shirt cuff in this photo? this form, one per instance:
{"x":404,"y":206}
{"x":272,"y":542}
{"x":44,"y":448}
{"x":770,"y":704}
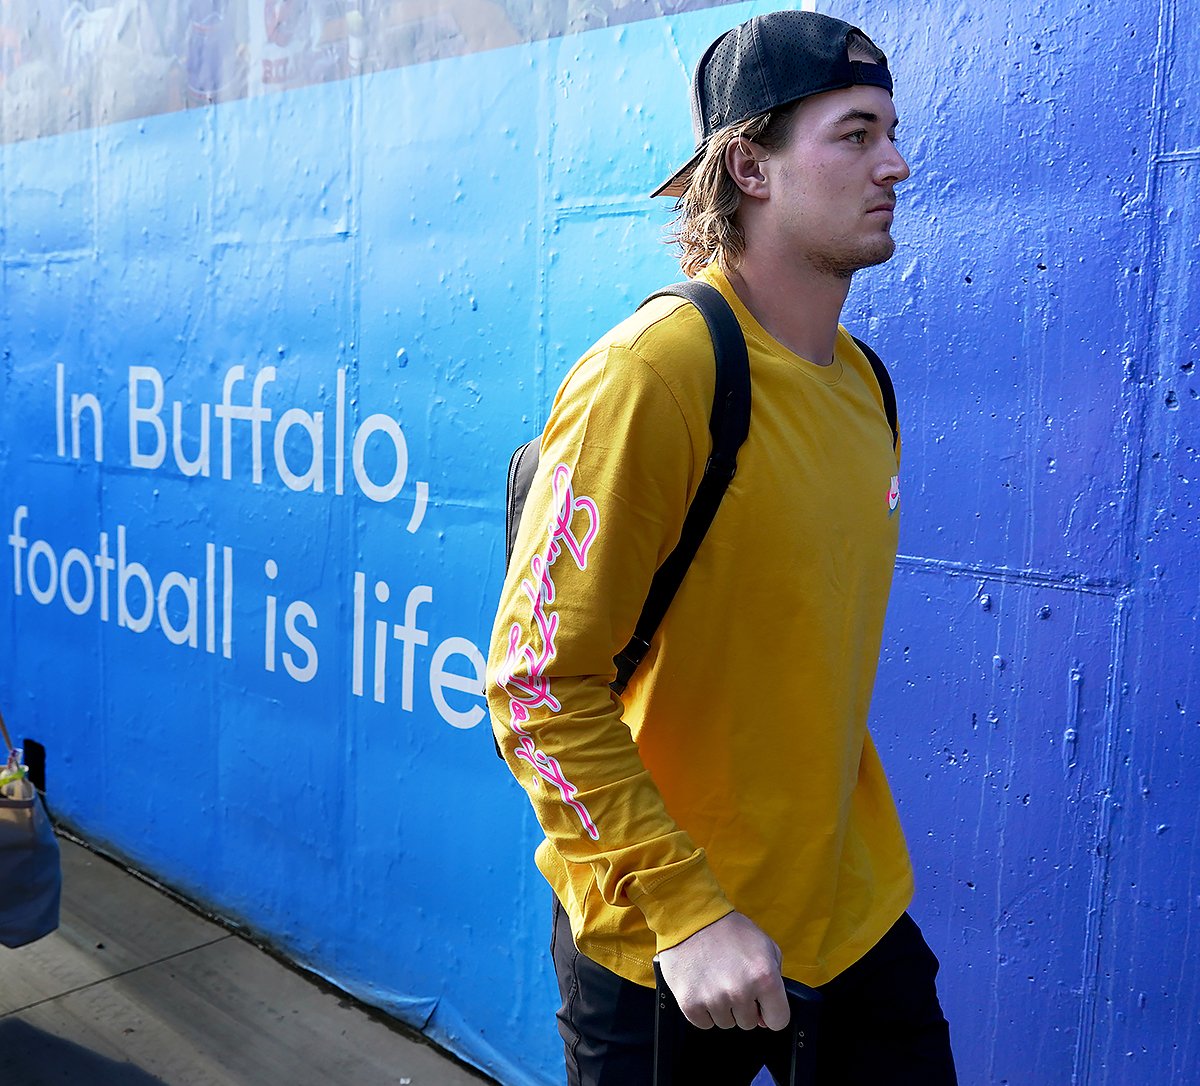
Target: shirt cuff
{"x":683,"y":899}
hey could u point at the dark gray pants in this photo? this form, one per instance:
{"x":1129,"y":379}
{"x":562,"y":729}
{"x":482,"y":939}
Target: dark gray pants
{"x":881,"y":1024}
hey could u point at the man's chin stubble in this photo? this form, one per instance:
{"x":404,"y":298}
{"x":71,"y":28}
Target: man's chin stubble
{"x":844,"y":265}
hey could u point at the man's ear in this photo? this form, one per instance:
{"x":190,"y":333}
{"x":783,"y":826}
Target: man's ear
{"x":743,"y":160}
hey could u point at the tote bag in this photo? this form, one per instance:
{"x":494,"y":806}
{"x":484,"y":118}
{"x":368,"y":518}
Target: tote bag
{"x":30,"y":868}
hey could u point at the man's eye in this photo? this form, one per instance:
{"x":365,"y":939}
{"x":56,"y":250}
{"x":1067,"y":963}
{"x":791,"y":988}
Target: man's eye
{"x":857,"y":137}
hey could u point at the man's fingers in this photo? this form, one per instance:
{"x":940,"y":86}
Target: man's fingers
{"x":773,"y":1006}
{"x":727,"y":975}
{"x":724,"y":1011}
{"x":746,"y":1015}
{"x":698,"y":1016}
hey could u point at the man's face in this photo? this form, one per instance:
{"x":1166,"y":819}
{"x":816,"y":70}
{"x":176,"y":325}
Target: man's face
{"x":833,"y":186}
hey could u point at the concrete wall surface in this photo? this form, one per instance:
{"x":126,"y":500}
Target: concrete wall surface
{"x":276,"y":302}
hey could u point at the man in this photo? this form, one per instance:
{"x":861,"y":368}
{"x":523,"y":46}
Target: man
{"x":729,"y":812}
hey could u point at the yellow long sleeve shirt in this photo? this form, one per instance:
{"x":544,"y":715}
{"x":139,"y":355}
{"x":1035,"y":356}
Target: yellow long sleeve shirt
{"x":736,"y":772}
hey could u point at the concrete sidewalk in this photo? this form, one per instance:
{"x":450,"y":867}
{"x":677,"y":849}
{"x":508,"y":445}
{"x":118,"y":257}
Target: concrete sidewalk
{"x":135,"y":989}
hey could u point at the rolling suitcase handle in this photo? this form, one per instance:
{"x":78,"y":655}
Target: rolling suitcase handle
{"x":671,"y":1031}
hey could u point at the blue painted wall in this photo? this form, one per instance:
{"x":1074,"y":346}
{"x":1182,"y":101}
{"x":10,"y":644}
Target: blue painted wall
{"x":403,"y":263}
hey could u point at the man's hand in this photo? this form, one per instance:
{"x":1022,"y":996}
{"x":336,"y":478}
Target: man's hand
{"x":728,"y":974}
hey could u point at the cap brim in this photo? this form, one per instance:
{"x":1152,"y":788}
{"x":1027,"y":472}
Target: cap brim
{"x":676,"y":185}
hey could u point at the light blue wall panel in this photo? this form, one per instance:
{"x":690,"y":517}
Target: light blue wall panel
{"x":276,"y":781}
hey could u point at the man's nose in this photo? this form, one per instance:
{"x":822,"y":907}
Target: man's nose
{"x":894,"y":169}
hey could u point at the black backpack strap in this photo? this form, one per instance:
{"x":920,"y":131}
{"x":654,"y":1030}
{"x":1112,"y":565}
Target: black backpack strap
{"x":521,"y":469}
{"x":885,"y":386}
{"x":729,"y":424}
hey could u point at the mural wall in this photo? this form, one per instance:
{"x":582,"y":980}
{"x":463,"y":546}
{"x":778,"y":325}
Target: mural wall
{"x":282,"y":287}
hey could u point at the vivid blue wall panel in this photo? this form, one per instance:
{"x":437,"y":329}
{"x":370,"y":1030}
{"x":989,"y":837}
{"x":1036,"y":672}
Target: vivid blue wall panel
{"x":360,"y":292}
{"x":999,"y":765}
{"x":1019,"y":252}
{"x":1146,"y":1027}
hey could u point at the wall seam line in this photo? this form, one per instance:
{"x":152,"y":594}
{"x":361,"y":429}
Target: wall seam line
{"x":1034,"y":578}
{"x":1140,"y":380}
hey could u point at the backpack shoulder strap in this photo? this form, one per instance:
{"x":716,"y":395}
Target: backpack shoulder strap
{"x":521,"y":468}
{"x":729,"y":423}
{"x":885,"y":386}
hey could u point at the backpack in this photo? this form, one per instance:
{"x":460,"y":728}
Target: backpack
{"x":729,"y":424}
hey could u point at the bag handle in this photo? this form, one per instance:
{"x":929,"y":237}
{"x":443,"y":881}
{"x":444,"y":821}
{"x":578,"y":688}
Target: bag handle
{"x":10,"y":766}
{"x":7,"y":739}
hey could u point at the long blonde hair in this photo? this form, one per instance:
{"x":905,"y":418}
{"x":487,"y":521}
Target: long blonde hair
{"x":706,"y":227}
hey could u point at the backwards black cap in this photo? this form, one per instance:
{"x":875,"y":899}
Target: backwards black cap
{"x":768,"y":62}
